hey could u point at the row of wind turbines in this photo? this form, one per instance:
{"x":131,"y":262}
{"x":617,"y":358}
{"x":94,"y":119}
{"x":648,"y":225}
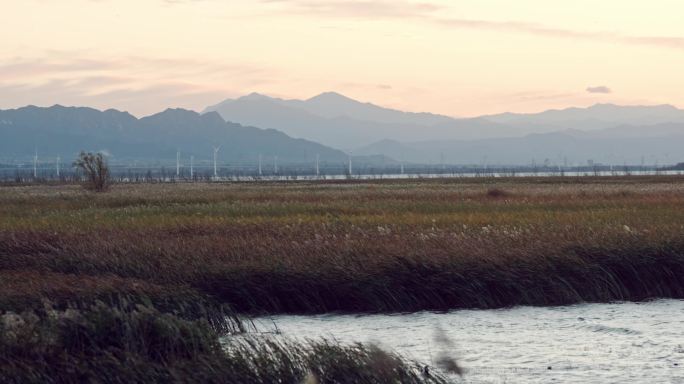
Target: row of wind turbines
{"x":259,"y":165}
{"x":216,"y":151}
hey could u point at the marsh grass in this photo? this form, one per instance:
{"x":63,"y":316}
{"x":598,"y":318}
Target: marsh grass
{"x":23,"y":290}
{"x":140,"y":282}
{"x":109,"y":344}
{"x":385,"y":246}
{"x":388,"y":270}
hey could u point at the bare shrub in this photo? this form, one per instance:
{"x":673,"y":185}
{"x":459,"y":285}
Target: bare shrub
{"x":497,"y":193}
{"x":96,"y":171}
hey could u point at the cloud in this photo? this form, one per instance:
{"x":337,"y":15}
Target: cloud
{"x":140,"y":100}
{"x":599,"y":89}
{"x":358,"y":8}
{"x":541,"y":96}
{"x":142,"y":85}
{"x":362,"y":86}
{"x":178,"y":2}
{"x":675,"y":42}
{"x":427,"y":13}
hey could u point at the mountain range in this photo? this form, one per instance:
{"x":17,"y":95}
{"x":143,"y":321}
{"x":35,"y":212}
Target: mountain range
{"x":338,"y":121}
{"x":602,"y":133}
{"x":331,"y":125}
{"x":546,"y":148}
{"x":65,"y":131}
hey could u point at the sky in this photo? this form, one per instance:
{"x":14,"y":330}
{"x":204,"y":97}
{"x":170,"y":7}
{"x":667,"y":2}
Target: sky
{"x":458,"y":58}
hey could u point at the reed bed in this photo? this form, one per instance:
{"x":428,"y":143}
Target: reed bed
{"x":176,"y":266}
{"x":375,"y":246}
{"x":106,"y":344}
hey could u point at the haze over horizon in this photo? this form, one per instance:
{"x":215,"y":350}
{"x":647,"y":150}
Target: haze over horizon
{"x":466,"y":59}
{"x":203,"y":108}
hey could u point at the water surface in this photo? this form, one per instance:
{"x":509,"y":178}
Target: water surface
{"x":587,"y":343}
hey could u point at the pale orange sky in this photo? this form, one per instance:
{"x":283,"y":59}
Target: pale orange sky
{"x":460,"y":58}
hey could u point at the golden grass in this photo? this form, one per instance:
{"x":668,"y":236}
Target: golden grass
{"x":309,"y":246}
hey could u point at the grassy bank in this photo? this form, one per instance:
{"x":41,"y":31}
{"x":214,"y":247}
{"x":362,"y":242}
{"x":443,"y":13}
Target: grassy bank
{"x":379,"y":246}
{"x":109,"y":344}
{"x":149,"y":276}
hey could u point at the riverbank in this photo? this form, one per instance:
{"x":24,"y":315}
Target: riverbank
{"x":205,"y":254}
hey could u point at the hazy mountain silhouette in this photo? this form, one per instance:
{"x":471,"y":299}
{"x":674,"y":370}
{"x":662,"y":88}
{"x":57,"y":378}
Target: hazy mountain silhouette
{"x":65,"y":131}
{"x":631,"y":131}
{"x":599,"y":116}
{"x":554,"y":148}
{"x":340,"y":122}
{"x":603,"y":133}
{"x":334,"y":105}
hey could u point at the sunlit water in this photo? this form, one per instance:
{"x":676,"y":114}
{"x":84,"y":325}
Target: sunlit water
{"x":588,"y":343}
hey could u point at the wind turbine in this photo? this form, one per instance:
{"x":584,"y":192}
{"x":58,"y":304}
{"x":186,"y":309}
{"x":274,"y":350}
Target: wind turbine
{"x":350,"y":164}
{"x":177,"y":163}
{"x":58,"y":166}
{"x":318,"y":172}
{"x":401,"y":164}
{"x":192,"y":161}
{"x":260,"y":165}
{"x":35,"y":165}
{"x":275,"y":165}
{"x":216,"y":150}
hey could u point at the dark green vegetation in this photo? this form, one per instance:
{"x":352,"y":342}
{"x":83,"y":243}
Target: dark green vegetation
{"x":164,"y":268}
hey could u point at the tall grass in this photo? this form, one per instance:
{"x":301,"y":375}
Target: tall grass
{"x":359,"y":247}
{"x":390,"y":270}
{"x":114,"y":345}
{"x":24,"y":290}
{"x":137,"y":285}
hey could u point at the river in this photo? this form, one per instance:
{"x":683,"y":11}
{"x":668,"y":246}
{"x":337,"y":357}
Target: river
{"x":586,"y":343}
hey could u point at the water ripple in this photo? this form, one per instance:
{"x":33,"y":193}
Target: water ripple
{"x":588,"y":343}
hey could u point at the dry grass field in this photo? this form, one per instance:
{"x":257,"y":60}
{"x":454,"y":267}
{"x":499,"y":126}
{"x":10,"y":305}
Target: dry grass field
{"x":204,"y":252}
{"x":355,"y":246}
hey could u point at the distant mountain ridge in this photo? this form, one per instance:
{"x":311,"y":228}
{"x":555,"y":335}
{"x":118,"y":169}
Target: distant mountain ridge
{"x":578,"y":133}
{"x":333,"y":105}
{"x":608,"y":113}
{"x":338,"y":121}
{"x":59,"y":130}
{"x":341,"y":122}
{"x":557,"y":148}
{"x":375,"y":135}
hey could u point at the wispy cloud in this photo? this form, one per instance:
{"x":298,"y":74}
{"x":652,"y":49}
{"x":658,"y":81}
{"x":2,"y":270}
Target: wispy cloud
{"x":177,"y":2}
{"x":365,"y":86}
{"x":541,"y":96}
{"x":360,"y":8}
{"x":142,"y":100}
{"x":546,"y":31}
{"x":429,"y":13}
{"x":141,"y":84}
{"x":599,"y":89}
